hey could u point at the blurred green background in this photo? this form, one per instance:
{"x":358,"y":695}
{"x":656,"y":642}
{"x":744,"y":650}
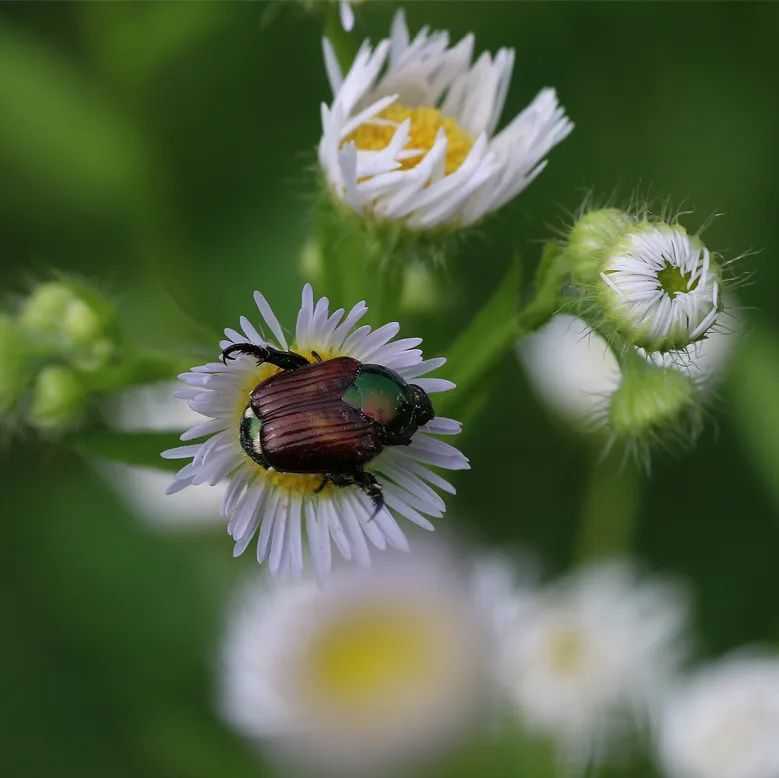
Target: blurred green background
{"x":167,"y":151}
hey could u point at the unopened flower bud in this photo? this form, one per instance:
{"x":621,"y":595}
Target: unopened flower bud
{"x":58,"y":399}
{"x":592,"y":238}
{"x":69,"y":320}
{"x":654,"y":403}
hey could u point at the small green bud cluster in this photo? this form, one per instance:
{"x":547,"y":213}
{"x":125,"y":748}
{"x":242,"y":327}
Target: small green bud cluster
{"x":54,"y":353}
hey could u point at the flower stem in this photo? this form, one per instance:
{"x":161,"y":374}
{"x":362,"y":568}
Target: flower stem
{"x":610,"y":509}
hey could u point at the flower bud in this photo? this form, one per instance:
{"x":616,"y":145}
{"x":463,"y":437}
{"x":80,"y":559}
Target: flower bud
{"x":592,"y":238}
{"x":71,"y":321}
{"x":650,"y":282}
{"x":15,"y":371}
{"x":654,"y":402}
{"x":58,"y":399}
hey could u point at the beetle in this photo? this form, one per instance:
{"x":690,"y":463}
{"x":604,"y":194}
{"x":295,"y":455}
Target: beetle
{"x":328,"y":417}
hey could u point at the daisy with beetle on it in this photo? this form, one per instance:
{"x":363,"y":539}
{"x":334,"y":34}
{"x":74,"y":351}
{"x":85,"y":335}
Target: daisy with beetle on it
{"x":336,"y":432}
{"x":410,"y":135}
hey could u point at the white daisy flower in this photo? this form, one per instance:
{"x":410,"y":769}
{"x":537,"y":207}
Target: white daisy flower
{"x":724,"y":723}
{"x":245,"y":444}
{"x":410,"y":134}
{"x":371,"y":671}
{"x":592,"y":657}
{"x":662,"y":287}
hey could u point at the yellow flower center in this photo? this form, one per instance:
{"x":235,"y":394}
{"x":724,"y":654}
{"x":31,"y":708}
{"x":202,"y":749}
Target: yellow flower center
{"x":369,"y":659}
{"x":299,"y":483}
{"x":567,"y":651}
{"x":425,"y":123}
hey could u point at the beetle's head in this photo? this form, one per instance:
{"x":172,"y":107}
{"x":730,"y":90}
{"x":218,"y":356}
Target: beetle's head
{"x":423,"y":408}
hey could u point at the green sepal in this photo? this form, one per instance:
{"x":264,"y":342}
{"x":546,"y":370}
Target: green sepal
{"x":356,"y":257}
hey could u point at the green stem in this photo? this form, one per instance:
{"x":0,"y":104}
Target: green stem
{"x":610,"y":509}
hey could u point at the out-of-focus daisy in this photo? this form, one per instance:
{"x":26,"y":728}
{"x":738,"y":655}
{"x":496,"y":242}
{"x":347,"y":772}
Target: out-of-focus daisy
{"x":278,"y":503}
{"x":570,"y":367}
{"x":153,"y":407}
{"x":724,"y":723}
{"x":373,"y":671}
{"x":410,"y":134}
{"x":661,"y":286}
{"x":592,"y":657}
{"x":573,"y":370}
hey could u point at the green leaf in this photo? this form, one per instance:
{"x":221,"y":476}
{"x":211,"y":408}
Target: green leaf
{"x":484,"y":343}
{"x":141,"y":449}
{"x":756,"y":411}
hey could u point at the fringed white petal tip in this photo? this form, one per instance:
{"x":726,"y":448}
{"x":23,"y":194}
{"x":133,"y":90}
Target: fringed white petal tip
{"x":287,"y":512}
{"x":423,"y":101}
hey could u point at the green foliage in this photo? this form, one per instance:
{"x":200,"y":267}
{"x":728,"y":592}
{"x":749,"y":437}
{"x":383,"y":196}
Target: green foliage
{"x":174,"y":138}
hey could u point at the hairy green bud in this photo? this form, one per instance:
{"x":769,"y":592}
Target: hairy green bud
{"x":71,"y":321}
{"x":653,"y":404}
{"x":648,"y":281}
{"x":58,"y":401}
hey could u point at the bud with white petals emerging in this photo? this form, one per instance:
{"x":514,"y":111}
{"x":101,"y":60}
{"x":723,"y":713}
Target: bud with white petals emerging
{"x":653,"y":284}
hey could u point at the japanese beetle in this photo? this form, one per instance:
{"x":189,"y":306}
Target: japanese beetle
{"x":329,"y":418}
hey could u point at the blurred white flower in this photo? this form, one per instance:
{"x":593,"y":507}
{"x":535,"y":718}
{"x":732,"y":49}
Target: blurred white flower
{"x":573,"y":371}
{"x":592,"y":657}
{"x":376,"y":670}
{"x":410,"y":134}
{"x":724,"y":723}
{"x":570,"y":367}
{"x":154,"y":407}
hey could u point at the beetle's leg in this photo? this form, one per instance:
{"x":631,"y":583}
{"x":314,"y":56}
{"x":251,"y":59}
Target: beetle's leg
{"x":316,"y":356}
{"x":286,"y":360}
{"x":325,"y":480}
{"x":366,"y":481}
{"x":396,"y":438}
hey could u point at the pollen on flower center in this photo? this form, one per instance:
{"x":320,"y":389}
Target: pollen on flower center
{"x":367,"y":657}
{"x":566,"y":651}
{"x":674,"y":280}
{"x":375,"y":135}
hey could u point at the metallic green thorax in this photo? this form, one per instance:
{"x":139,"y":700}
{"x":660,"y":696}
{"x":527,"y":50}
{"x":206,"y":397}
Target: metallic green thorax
{"x":250,"y":435}
{"x":381,"y":396}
